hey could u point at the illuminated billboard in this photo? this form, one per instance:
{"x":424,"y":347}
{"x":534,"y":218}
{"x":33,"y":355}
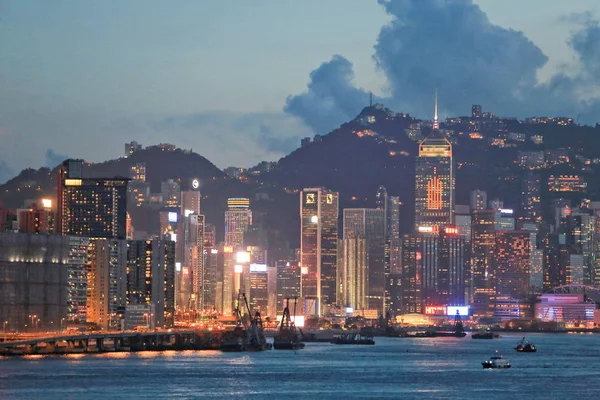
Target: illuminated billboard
{"x":46,"y":203}
{"x":349,"y":310}
{"x":172,"y":216}
{"x":463,"y":311}
{"x":304,"y":270}
{"x":298,"y":320}
{"x":238,"y":269}
{"x":435,"y":310}
{"x":178,"y":266}
{"x":258,"y":267}
{"x":243,"y":257}
{"x":425,"y":229}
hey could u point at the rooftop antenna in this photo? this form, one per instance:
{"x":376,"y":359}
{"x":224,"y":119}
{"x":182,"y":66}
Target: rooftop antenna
{"x":436,"y":123}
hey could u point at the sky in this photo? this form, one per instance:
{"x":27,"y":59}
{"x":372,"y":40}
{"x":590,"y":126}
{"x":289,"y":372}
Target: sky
{"x":240,"y":82}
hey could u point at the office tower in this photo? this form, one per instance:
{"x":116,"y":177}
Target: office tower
{"x":90,"y":207}
{"x":151,"y":278}
{"x":288,"y":283}
{"x":44,"y":281}
{"x":575,"y":270}
{"x":512,"y":263}
{"x":318,"y":243}
{"x":531,"y":206}
{"x":394,"y":286}
{"x":595,"y":207}
{"x":238,"y":218}
{"x":454,"y":268}
{"x":476,"y":111}
{"x":579,"y":228}
{"x":210,"y":276}
{"x":434,"y":191}
{"x":195,"y":251}
{"x":131,"y":148}
{"x":504,"y":220}
{"x":483,"y":240}
{"x":107,"y":282}
{"x":420,"y":259}
{"x":259,"y":288}
{"x":381,"y":199}
{"x":170,"y":191}
{"x":190,"y":202}
{"x":462,"y":221}
{"x":353,"y":269}
{"x":478,"y":200}
{"x":210,"y":235}
{"x":370,"y":224}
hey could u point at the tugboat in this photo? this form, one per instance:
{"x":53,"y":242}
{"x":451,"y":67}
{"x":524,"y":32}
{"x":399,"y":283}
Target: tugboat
{"x":352,"y":338}
{"x":287,"y":338}
{"x":459,"y":330}
{"x":485,"y":334}
{"x":245,"y":337}
{"x":525,"y":347}
{"x":496,"y":362}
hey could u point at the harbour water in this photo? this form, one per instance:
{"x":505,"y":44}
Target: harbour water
{"x":566,"y":366}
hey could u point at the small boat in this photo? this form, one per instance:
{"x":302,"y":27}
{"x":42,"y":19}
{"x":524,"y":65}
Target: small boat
{"x":352,"y":338}
{"x":287,"y":338}
{"x":485,"y":334}
{"x":525,"y":347}
{"x":496,"y":362}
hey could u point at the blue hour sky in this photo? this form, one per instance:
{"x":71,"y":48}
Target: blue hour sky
{"x":229,"y":78}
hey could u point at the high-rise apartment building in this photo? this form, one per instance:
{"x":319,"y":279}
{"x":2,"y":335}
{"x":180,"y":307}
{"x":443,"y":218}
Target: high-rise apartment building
{"x":91,"y":207}
{"x":434,"y":191}
{"x":107,"y":282}
{"x":151,"y":277}
{"x":318,"y":243}
{"x":531,"y":206}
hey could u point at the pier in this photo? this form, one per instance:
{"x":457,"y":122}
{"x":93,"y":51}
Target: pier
{"x":110,"y":342}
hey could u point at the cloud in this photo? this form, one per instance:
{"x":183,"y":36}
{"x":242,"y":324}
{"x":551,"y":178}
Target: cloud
{"x":53,"y":158}
{"x":330,"y":98}
{"x":239,"y":139}
{"x":451,"y":46}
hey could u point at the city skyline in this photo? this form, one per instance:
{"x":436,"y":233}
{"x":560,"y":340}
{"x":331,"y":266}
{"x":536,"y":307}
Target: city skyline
{"x":240,"y":122}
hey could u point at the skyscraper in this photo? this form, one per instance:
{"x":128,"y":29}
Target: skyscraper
{"x":483,"y":240}
{"x":288,"y":283}
{"x":318,"y":243}
{"x":151,"y":277}
{"x":238,"y":218}
{"x":171,"y":193}
{"x":190,"y":202}
{"x":196,"y":252}
{"x":370,"y":224}
{"x":434,"y":191}
{"x":512,"y":259}
{"x":531,"y":206}
{"x":90,"y":207}
{"x":353,"y":268}
{"x":478,"y":200}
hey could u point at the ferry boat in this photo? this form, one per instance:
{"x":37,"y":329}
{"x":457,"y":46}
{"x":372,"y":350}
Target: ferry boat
{"x":497,"y":361}
{"x":352,"y":338}
{"x":525,"y":347}
{"x":287,"y":338}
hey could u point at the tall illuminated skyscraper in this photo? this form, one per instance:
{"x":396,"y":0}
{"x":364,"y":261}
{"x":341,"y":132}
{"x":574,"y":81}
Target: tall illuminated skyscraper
{"x":238,"y":218}
{"x":483,"y":278}
{"x":91,"y":207}
{"x":318,"y":244}
{"x":434,"y":191}
{"x":370,"y":224}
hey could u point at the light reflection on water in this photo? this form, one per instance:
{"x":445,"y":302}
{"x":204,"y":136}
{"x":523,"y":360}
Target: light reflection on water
{"x":393,"y":368}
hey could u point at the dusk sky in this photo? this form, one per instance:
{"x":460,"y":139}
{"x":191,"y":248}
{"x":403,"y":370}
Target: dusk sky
{"x":80,"y":78}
